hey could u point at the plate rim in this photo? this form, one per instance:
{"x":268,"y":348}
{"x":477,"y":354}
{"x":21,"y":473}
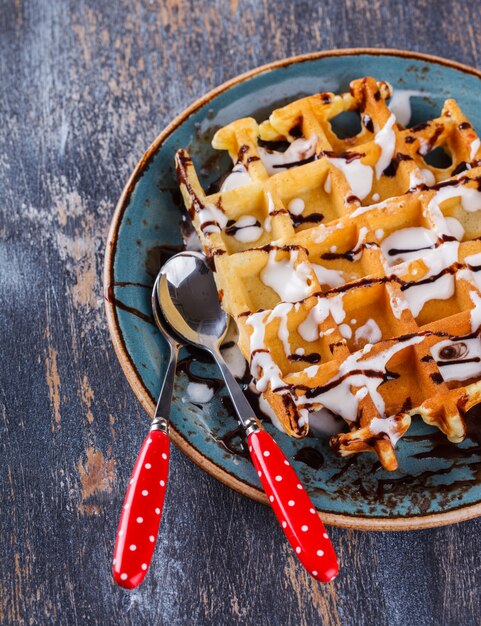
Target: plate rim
{"x":343,"y":520}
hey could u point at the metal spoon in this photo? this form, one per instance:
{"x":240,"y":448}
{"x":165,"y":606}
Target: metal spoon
{"x":144,"y":500}
{"x":189,"y":302}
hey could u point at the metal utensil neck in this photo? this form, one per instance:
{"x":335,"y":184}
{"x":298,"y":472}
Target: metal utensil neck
{"x":251,"y":426}
{"x":160,"y":423}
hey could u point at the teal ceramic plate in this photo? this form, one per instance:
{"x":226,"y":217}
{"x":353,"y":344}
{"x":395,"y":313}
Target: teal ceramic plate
{"x":437,"y":482}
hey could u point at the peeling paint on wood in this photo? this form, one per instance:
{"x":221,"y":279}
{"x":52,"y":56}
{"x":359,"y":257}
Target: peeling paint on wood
{"x":97,"y":476}
{"x":53,"y":382}
{"x":87,"y":395}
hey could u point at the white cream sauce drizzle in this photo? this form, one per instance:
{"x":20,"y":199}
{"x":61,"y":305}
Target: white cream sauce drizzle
{"x":461,"y":351}
{"x":386,"y":425}
{"x":339,"y":399}
{"x":470,"y":198}
{"x":263,"y":368}
{"x":358,"y":248}
{"x":296,"y":206}
{"x":270,"y":208}
{"x":248,"y":229}
{"x":303,"y":417}
{"x":237,"y":178}
{"x":398,"y":303}
{"x":361,"y":393}
{"x":455,"y":227}
{"x":289,"y":281}
{"x":369,"y":207}
{"x":211,"y":213}
{"x":321,"y":232}
{"x":199,"y":392}
{"x":421,"y":177}
{"x":309,"y":328}
{"x":276,"y":162}
{"x":474,"y":148}
{"x":281,"y":311}
{"x":475,"y":313}
{"x":345,"y":330}
{"x":475,"y":261}
{"x":328,"y":184}
{"x":415,"y":239}
{"x":368,"y":332}
{"x":311,"y":371}
{"x":400,"y":104}
{"x":442,"y":288}
{"x":386,"y":140}
{"x":337,"y":308}
{"x":447,"y":253}
{"x":330,"y":277}
{"x":358,"y":175}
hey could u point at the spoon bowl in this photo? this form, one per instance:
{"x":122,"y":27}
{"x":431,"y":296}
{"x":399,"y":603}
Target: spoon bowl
{"x":188,"y":298}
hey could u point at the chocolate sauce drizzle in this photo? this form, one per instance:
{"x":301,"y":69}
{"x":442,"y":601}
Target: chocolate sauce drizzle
{"x":349,"y":255}
{"x":452,"y":269}
{"x":273,"y":146}
{"x":347,"y":156}
{"x":367,"y":122}
{"x":312,"y":218}
{"x":195,"y":356}
{"x":312,"y":392}
{"x":233,"y":442}
{"x":183,"y":162}
{"x":110,"y":296}
{"x":313,"y":357}
{"x":443,"y":239}
{"x":392,"y":168}
{"x":296,"y":130}
{"x":310,"y":456}
{"x":290,"y":164}
{"x":474,"y":359}
{"x":396,"y":251}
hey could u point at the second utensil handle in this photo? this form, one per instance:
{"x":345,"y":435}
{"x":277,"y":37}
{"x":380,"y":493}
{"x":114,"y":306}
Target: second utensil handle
{"x":142,"y":511}
{"x":293,"y":507}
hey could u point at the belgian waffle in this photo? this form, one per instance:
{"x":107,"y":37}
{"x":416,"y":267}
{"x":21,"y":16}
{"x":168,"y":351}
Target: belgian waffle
{"x":352,"y":266}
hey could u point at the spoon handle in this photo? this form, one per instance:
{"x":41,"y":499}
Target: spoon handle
{"x":142,"y":509}
{"x":293,"y":507}
{"x":144,"y":500}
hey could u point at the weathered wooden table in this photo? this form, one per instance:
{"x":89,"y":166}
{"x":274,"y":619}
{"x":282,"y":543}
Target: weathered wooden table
{"x":85,"y":87}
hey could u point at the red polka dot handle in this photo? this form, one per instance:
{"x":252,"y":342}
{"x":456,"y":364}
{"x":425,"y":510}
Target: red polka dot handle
{"x":293,"y":507}
{"x":142,"y":511}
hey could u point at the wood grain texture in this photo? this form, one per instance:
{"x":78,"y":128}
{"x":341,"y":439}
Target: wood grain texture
{"x":85,"y":87}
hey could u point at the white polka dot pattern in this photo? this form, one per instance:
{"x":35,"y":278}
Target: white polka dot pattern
{"x":293,"y":507}
{"x":142,"y":511}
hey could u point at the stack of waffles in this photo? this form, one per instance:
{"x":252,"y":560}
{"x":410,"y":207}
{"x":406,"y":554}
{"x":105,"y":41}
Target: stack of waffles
{"x":352,"y":266}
